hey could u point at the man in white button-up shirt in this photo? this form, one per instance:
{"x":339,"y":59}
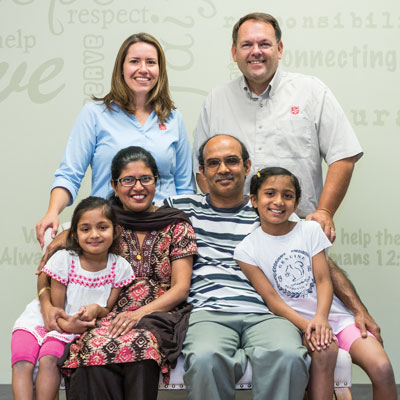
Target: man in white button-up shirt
{"x":285,"y":119}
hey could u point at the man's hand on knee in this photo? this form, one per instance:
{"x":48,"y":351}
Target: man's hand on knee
{"x":365,"y":322}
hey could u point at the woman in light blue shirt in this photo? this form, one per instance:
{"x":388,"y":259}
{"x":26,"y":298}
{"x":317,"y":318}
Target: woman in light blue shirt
{"x":138,"y":111}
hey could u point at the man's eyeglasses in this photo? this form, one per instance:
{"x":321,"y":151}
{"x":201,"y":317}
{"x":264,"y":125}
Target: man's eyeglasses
{"x":129,"y":181}
{"x":230,"y":162}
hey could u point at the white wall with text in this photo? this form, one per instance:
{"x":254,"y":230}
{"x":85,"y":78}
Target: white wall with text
{"x":56,"y":53}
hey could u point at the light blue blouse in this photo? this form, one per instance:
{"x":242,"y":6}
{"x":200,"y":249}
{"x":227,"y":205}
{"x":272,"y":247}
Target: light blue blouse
{"x":98,"y":134}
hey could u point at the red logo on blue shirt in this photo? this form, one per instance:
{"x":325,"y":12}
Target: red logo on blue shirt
{"x":294,"y":110}
{"x":162,"y":127}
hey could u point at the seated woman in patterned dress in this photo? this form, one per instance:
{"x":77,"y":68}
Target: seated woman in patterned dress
{"x":121,"y":357}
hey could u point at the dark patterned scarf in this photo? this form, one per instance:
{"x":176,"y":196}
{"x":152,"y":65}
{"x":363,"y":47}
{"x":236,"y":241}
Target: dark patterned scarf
{"x":149,"y":221}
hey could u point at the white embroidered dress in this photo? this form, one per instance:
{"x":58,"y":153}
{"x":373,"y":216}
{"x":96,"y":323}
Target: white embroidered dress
{"x":83,"y":287}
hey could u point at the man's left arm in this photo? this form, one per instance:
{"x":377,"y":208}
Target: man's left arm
{"x":336,"y":183}
{"x":346,"y":292}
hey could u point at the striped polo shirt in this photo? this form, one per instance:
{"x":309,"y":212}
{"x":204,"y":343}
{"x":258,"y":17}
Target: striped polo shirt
{"x":218,"y":283}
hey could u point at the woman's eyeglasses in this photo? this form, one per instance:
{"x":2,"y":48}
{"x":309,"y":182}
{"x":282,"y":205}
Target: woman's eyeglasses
{"x":129,"y":181}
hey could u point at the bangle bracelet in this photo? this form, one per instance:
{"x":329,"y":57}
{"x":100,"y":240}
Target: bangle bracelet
{"x":326,"y":210}
{"x":42,"y":290}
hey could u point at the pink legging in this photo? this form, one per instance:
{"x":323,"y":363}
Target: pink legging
{"x":348,"y":336}
{"x":25,"y":347}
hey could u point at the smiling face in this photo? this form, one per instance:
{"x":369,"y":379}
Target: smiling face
{"x":257,"y":53}
{"x":226,"y":181}
{"x":275,"y":202}
{"x":137,"y":198}
{"x":140,"y":68}
{"x":94,"y":232}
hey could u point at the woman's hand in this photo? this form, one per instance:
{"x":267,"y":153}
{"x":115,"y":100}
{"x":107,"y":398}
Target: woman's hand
{"x":178,"y":292}
{"x":58,"y":243}
{"x":124,"y":322}
{"x":59,"y":199}
{"x":50,"y":220}
{"x":319,"y":333}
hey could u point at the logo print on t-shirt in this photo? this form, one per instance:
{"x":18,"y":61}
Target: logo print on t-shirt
{"x":294,"y":110}
{"x":293,"y":274}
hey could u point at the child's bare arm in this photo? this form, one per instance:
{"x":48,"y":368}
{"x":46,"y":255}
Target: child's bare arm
{"x":74,"y":324}
{"x":57,"y":293}
{"x":324,"y":300}
{"x":115,"y":292}
{"x":50,"y":313}
{"x":94,"y":311}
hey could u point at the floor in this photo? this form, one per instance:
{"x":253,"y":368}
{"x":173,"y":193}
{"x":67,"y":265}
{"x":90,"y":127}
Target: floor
{"x":360,"y":392}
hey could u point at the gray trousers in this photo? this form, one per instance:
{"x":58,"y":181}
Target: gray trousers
{"x":218,"y":344}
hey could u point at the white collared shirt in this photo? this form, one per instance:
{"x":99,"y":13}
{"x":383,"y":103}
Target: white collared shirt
{"x":294,"y":124}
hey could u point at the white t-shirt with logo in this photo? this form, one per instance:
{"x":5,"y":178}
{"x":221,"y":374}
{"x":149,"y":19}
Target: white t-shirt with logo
{"x":287,"y":263}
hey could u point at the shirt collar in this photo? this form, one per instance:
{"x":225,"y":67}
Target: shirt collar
{"x":115,"y":107}
{"x":232,"y":210}
{"x":268,"y":92}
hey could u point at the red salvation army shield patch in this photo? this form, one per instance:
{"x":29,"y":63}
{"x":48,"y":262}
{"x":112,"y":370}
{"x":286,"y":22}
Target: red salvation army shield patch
{"x":294,"y":110}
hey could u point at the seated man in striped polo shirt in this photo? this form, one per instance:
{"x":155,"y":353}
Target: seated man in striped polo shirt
{"x":230,"y":321}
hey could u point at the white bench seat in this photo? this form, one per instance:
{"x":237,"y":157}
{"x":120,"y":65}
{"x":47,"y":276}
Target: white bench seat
{"x":342,"y":377}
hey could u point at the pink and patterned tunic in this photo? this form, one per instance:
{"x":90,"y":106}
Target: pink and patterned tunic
{"x":153,"y":278}
{"x":82,"y":287}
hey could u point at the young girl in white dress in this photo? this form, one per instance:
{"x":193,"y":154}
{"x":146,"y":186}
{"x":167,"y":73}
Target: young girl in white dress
{"x":86,"y":280}
{"x":286,"y":263}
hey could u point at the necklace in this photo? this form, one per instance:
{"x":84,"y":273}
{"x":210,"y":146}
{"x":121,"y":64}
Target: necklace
{"x":134,"y":252}
{"x":138,"y":256}
{"x":141,"y":261}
